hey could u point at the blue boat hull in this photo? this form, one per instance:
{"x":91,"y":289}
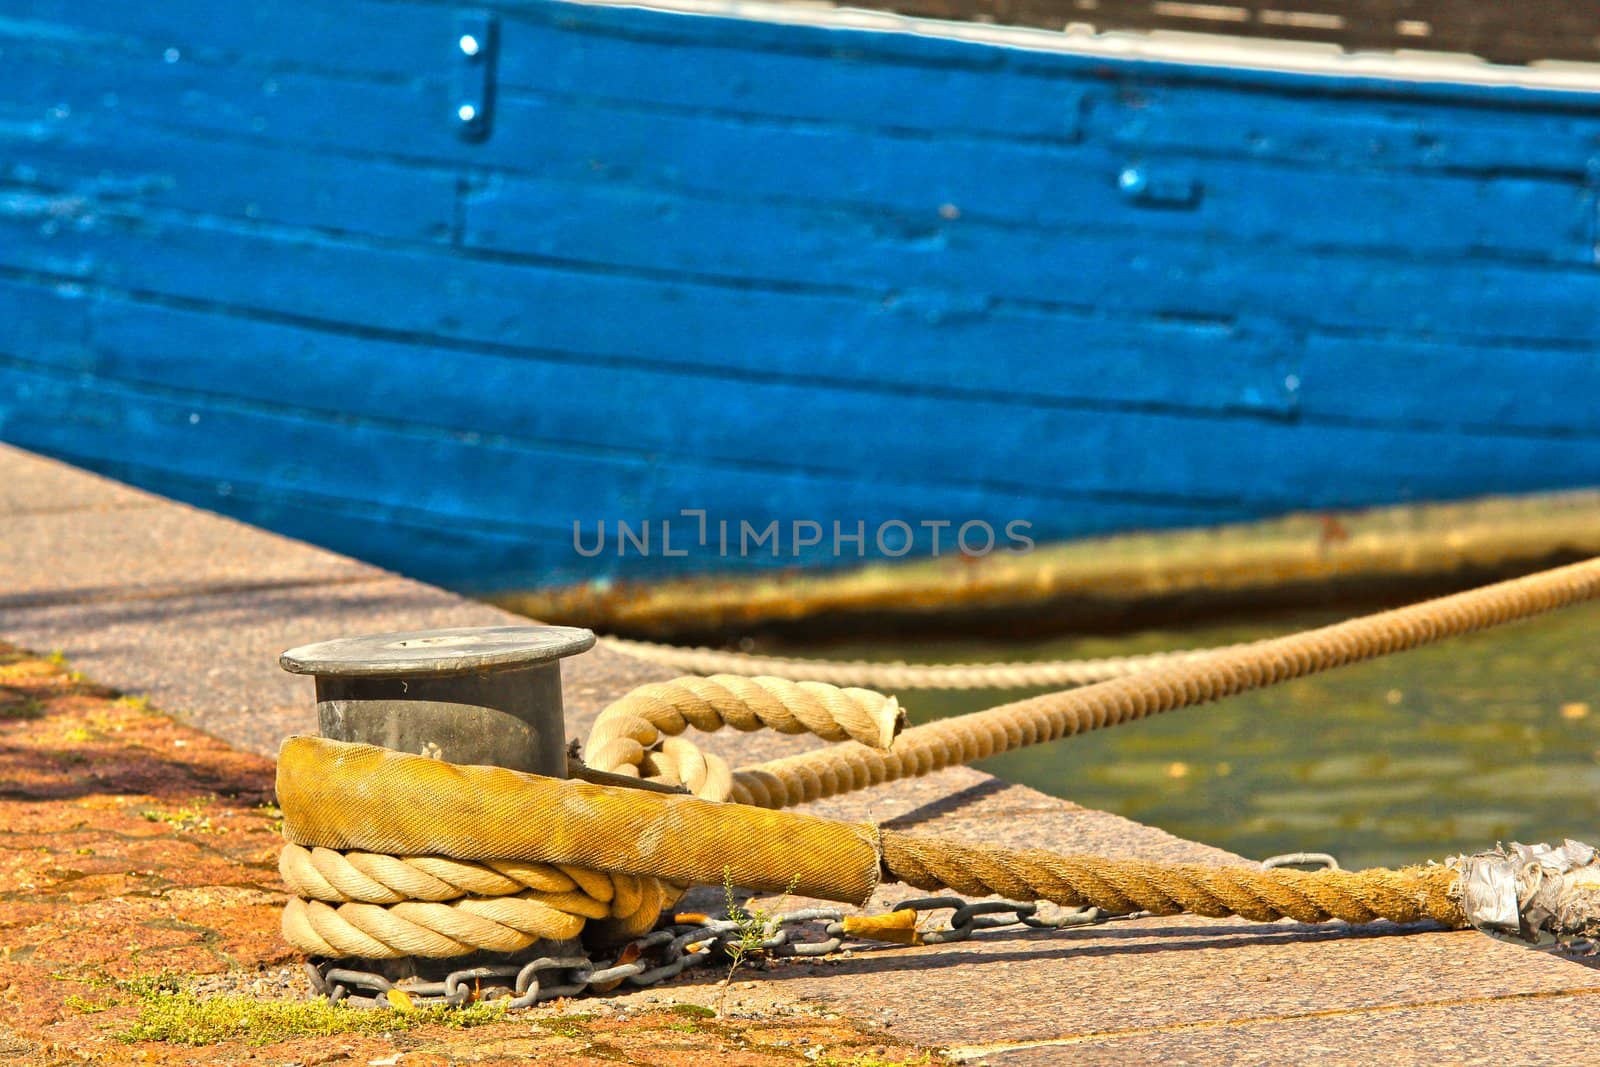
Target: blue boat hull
{"x":769,"y":271}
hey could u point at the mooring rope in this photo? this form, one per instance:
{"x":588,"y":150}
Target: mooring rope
{"x":1118,"y":887}
{"x":874,"y":675}
{"x":1175,"y":684}
{"x":396,"y":855}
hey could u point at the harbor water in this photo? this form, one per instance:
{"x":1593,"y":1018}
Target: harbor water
{"x":1491,"y":737}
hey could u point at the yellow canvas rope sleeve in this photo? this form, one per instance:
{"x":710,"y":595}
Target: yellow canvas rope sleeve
{"x":345,"y":796}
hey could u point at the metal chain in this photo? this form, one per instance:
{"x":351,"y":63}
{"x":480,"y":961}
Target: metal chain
{"x":668,"y":952}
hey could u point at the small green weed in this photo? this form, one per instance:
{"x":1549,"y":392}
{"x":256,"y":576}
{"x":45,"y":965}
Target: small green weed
{"x":750,"y":932}
{"x":571,"y":1026}
{"x":273,"y":812}
{"x":190,"y":819}
{"x":82,"y":1005}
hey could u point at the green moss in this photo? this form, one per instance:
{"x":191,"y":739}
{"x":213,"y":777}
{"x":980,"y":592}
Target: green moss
{"x":569,"y":1025}
{"x":82,"y":1005}
{"x":25,"y":709}
{"x":190,"y":819}
{"x":693,"y":1011}
{"x":143,"y":985}
{"x":186,"y":1019}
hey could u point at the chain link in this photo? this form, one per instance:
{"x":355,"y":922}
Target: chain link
{"x":668,"y":952}
{"x":1314,"y":860}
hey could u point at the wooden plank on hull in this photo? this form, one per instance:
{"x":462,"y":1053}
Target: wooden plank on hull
{"x":1002,"y":240}
{"x":131,"y":165}
{"x":1009,"y":95}
{"x":749,"y":429}
{"x":566,"y":307}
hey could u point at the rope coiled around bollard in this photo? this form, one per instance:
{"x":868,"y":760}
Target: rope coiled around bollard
{"x":474,"y":853}
{"x":349,"y":903}
{"x":698,"y":841}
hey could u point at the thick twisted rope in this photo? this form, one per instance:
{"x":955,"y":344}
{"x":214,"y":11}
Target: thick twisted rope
{"x":448,"y":907}
{"x":375,"y":878}
{"x":1119,"y":887}
{"x":1225,"y":672}
{"x":375,"y":905}
{"x":892,"y":676}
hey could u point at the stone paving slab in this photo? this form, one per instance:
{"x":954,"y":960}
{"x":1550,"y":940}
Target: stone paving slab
{"x":1160,"y":976}
{"x":31,"y":484}
{"x":81,"y":556}
{"x":1557,"y":1029}
{"x":1169,"y":990}
{"x":213,"y":658}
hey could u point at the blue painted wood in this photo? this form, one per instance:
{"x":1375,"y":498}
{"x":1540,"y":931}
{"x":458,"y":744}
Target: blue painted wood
{"x":315,"y":465}
{"x":1397,"y":381}
{"x":824,"y":432}
{"x":1234,"y":203}
{"x":1360,"y":121}
{"x":737,"y":157}
{"x":773,"y":271}
{"x":128,"y":164}
{"x":1551,"y":133}
{"x":465,"y":386}
{"x":532,"y":304}
{"x":356,"y":37}
{"x":664,"y":324}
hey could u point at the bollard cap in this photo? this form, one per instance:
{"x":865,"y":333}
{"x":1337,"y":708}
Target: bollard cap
{"x":421,"y":653}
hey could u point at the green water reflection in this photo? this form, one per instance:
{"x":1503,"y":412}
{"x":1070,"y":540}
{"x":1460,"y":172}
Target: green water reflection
{"x":1490,"y":737}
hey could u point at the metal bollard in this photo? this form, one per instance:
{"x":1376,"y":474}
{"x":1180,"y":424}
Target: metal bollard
{"x":473,"y":695}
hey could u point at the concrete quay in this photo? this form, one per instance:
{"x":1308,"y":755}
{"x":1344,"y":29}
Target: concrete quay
{"x":189,"y":609}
